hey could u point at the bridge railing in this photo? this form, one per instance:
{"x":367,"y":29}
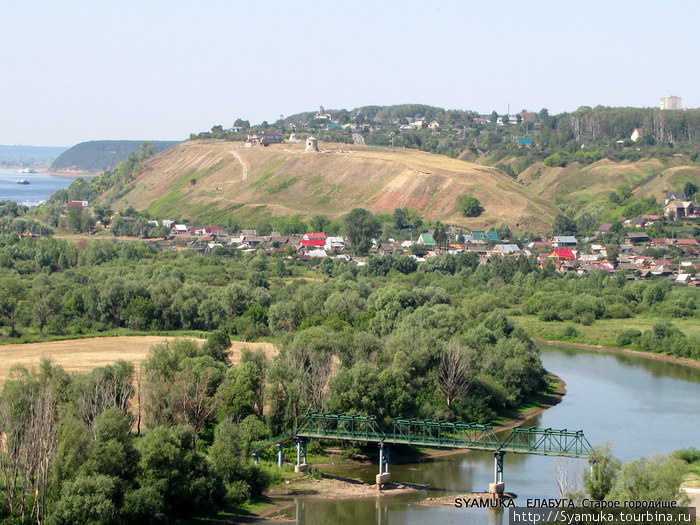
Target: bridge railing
{"x":444,"y":433}
{"x":341,"y":426}
{"x":548,"y":442}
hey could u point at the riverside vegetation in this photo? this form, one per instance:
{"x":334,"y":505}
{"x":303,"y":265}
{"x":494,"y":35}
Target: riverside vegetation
{"x":390,"y":339}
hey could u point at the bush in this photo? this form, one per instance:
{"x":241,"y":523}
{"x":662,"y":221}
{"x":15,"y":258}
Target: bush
{"x":569,"y":333}
{"x":617,"y":311}
{"x":548,"y":315}
{"x":627,"y":337}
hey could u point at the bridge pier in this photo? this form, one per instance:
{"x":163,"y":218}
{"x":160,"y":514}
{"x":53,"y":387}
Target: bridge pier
{"x":498,"y":486}
{"x":301,"y":465}
{"x":384,"y":476}
{"x":280,"y":454}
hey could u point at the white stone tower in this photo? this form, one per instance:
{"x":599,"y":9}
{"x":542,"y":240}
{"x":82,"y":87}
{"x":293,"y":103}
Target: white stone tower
{"x":311,"y":145}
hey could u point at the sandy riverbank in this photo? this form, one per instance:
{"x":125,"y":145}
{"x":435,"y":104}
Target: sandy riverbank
{"x":614,"y":350}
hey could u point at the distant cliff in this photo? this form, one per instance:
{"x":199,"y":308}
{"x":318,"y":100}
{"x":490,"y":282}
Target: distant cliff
{"x":101,"y":155}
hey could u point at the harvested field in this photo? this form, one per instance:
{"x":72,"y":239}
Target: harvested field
{"x":82,"y":355}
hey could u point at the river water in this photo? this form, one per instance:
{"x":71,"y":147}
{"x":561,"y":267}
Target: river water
{"x":41,"y":185}
{"x":640,"y":406}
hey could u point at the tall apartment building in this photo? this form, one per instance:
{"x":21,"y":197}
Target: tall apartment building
{"x":671,"y":102}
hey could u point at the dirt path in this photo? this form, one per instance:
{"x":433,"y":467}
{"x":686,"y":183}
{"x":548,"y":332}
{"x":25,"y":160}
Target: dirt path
{"x":245,"y":166}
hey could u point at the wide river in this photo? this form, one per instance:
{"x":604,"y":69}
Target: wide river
{"x":41,"y":185}
{"x":640,"y":406}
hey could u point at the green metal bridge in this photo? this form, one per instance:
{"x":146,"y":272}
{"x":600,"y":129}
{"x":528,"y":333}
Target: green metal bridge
{"x":439,"y":434}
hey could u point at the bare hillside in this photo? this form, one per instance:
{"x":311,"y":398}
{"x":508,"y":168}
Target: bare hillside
{"x":210,"y":180}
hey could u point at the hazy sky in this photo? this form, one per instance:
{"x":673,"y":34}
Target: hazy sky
{"x":152,"y":69}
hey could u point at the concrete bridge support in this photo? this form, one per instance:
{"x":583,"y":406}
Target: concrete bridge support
{"x":384,"y":476}
{"x":280,"y":454}
{"x":302,"y":464}
{"x":498,"y":486}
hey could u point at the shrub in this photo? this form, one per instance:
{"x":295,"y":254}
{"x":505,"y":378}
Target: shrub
{"x":569,"y":333}
{"x":627,"y":337}
{"x":548,"y":315}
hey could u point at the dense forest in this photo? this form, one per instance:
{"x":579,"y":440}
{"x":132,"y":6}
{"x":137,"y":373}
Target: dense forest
{"x":101,"y":155}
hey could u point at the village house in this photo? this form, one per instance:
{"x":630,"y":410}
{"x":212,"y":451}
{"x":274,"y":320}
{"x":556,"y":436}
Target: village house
{"x":426,"y":239}
{"x":506,"y":249}
{"x":679,"y":209}
{"x":675,"y":196}
{"x":564,"y":241}
{"x":334,"y":243}
{"x":179,"y":229}
{"x":483,"y":236}
{"x":390,"y":248}
{"x":264,"y":138}
{"x":636,"y":238}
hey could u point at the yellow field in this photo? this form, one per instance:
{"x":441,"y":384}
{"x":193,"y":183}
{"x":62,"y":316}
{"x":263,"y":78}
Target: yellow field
{"x":82,"y":355}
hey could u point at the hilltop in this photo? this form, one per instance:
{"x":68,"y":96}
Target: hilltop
{"x":210,"y":180}
{"x":100,"y":155}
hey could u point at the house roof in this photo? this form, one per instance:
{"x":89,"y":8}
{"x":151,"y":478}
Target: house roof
{"x":605,"y":227}
{"x":567,"y":239}
{"x":313,"y":242}
{"x":490,"y":235}
{"x":562,"y":253}
{"x":426,"y":238}
{"x":319,"y":235}
{"x":506,"y":248}
{"x":676,"y":195}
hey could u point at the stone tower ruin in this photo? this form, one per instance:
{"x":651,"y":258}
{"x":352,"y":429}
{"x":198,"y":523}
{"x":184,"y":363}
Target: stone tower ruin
{"x":311,"y":145}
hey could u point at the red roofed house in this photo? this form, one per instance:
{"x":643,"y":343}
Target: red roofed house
{"x":316,"y":240}
{"x":563,"y":253}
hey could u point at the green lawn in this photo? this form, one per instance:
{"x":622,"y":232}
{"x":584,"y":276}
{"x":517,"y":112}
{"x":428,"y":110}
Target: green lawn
{"x":603,"y":331}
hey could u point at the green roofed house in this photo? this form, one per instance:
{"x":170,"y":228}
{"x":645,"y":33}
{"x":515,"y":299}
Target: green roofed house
{"x":426,"y":239}
{"x":485,"y":236}
{"x":525,"y":141}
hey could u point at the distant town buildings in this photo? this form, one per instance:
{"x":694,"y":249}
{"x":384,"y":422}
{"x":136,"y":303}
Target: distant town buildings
{"x":671,"y":102}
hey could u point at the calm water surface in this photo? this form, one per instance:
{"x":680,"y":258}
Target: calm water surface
{"x":41,"y":185}
{"x":640,"y":406}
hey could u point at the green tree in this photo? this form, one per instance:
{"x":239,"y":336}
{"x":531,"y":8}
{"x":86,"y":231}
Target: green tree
{"x":361,"y":227}
{"x":88,"y":499}
{"x":439,"y":235}
{"x":599,"y":480}
{"x":12,"y":293}
{"x":469,"y":206}
{"x":564,"y":225}
{"x":657,"y":478}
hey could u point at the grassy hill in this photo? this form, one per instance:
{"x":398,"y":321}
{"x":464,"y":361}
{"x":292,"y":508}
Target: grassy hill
{"x":587,"y":187}
{"x":204,"y":181}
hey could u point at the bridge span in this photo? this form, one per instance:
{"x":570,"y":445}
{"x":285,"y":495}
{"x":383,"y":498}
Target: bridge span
{"x":436,"y":434}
